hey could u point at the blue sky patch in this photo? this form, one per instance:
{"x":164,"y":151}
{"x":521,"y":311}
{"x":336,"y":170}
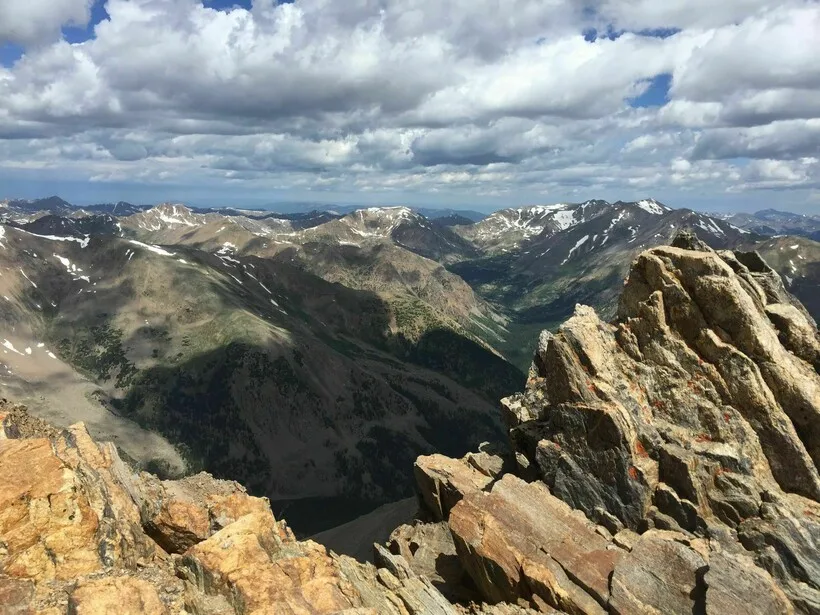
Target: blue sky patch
{"x":611,"y":33}
{"x":226,"y":5}
{"x":9,"y":54}
{"x":75,"y":34}
{"x":657,"y":94}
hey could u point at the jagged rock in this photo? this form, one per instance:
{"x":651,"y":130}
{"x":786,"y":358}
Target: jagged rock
{"x":689,"y":428}
{"x":659,"y":575}
{"x":796,"y":331}
{"x":257,"y":564}
{"x":429,"y":550}
{"x":180,"y":514}
{"x":757,"y":270}
{"x":442,"y":482}
{"x":16,"y":422}
{"x":417,"y":594}
{"x":687,"y":240}
{"x":259,"y":567}
{"x":519,"y":541}
{"x":490,"y":460}
{"x":62,"y":515}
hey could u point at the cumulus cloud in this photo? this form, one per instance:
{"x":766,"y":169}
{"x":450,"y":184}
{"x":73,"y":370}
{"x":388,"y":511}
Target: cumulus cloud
{"x":417,"y":95}
{"x":38,"y":21}
{"x":651,"y":14}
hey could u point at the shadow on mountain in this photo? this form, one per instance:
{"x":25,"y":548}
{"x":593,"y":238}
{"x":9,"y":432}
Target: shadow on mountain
{"x":465,"y":361}
{"x":602,"y":293}
{"x":269,"y":422}
{"x":807,"y":289}
{"x":271,"y":376}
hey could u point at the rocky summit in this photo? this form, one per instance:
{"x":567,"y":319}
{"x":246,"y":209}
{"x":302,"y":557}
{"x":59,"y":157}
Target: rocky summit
{"x":665,"y":462}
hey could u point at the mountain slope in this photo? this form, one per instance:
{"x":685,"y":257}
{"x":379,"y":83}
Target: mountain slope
{"x":382,"y":250}
{"x":574,"y":254}
{"x":254,"y":368}
{"x":797,"y":260}
{"x":510,"y":229}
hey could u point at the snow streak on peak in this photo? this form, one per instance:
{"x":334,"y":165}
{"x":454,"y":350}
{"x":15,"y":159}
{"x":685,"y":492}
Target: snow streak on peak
{"x":653,"y":207}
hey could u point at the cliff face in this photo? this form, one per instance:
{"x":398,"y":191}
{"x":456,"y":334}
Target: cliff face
{"x":663,"y":463}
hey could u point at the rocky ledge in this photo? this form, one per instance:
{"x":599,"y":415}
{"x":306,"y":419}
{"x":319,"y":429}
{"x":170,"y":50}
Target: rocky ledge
{"x":82,"y":534}
{"x":663,"y":463}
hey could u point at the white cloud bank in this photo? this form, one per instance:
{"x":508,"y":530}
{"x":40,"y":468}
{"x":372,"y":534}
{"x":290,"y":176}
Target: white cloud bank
{"x":418,"y":96}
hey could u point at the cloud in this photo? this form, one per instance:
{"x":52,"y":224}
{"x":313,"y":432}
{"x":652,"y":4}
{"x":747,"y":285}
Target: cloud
{"x":39,"y":21}
{"x":415,"y":96}
{"x":784,"y":140}
{"x":651,"y":14}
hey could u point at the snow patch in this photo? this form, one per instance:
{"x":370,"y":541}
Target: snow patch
{"x":651,"y":206}
{"x":578,"y":244}
{"x":83,"y":242}
{"x":10,"y":346}
{"x":564,"y":219}
{"x":154,"y":249}
{"x":29,"y":279}
{"x":709,"y":226}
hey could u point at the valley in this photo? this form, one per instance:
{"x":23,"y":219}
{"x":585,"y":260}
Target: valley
{"x":312,"y":356}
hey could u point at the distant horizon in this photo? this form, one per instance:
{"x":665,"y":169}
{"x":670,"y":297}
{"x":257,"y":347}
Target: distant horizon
{"x":306,"y":205}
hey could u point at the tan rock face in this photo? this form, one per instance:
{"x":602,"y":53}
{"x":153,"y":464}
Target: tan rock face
{"x":180,"y":514}
{"x":48,"y":523}
{"x":260,"y":566}
{"x":122,"y":595}
{"x":430,"y":552}
{"x":520,"y":541}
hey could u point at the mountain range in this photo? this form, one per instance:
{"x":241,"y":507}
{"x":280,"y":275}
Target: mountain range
{"x":312,"y":355}
{"x":774,"y":222}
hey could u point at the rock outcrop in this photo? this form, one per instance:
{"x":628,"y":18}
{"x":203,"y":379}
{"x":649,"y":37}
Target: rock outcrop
{"x":82,"y":534}
{"x":664,"y":463}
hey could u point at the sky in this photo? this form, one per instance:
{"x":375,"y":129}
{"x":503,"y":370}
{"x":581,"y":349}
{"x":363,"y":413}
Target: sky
{"x":478,"y":104}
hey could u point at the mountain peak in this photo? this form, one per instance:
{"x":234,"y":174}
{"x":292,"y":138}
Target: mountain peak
{"x":393,"y":211}
{"x":653,"y":207}
{"x":166,"y":215}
